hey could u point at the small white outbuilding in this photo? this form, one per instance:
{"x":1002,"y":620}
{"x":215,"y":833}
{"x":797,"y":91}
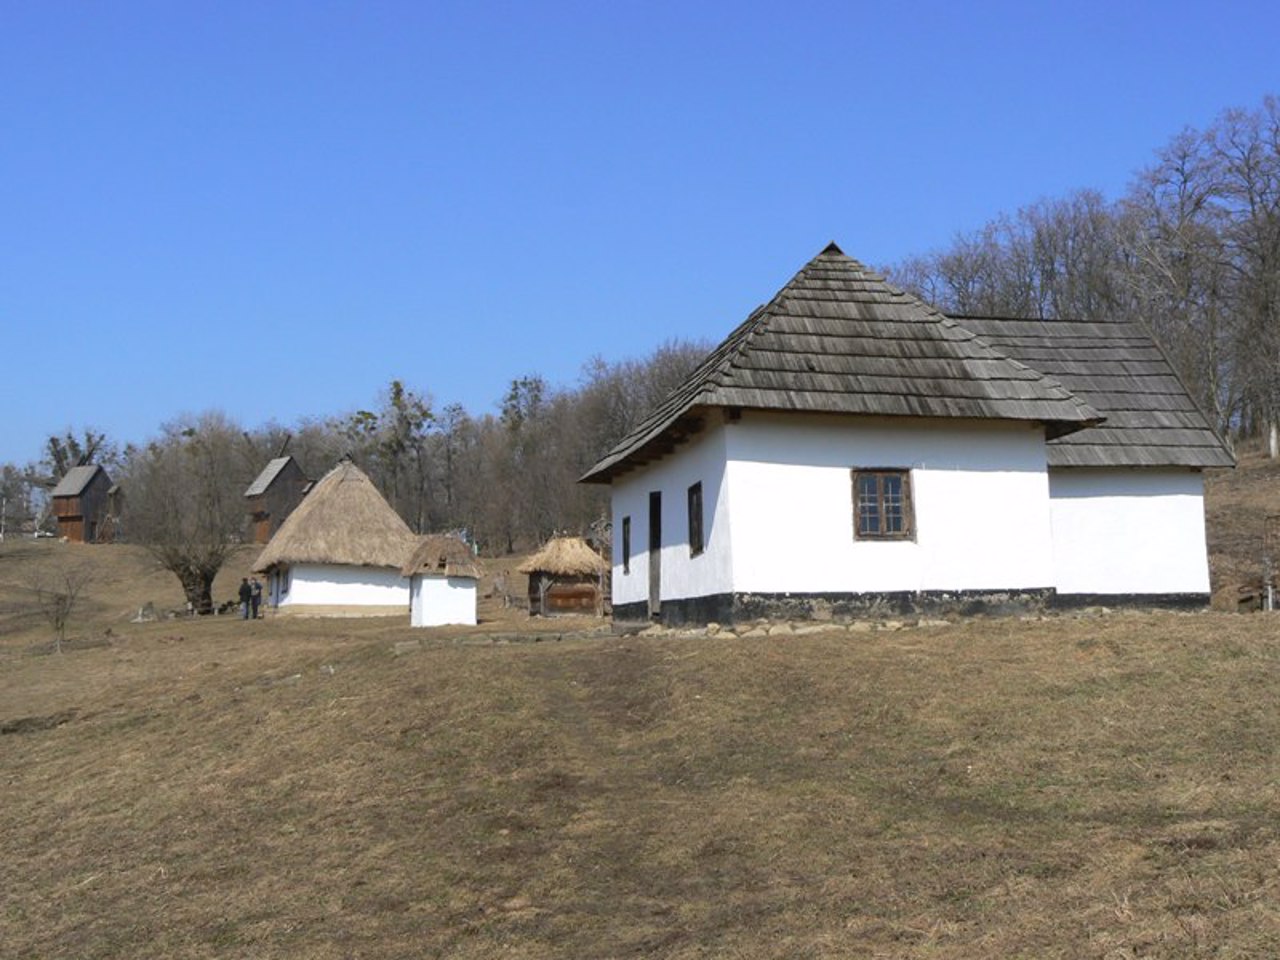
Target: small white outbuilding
{"x":340,"y":552}
{"x":443,"y":574}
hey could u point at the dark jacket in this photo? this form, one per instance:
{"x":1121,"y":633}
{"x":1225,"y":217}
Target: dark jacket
{"x":245,"y":592}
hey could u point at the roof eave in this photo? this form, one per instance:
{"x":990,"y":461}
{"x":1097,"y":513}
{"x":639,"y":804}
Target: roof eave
{"x":1053,"y":429}
{"x":662,"y":443}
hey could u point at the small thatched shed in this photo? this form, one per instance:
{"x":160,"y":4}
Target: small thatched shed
{"x":341,"y":551}
{"x":442,"y":576}
{"x":565,"y":576}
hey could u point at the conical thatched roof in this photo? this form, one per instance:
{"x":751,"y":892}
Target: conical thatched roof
{"x":440,"y":554}
{"x":565,"y":557}
{"x":344,"y":519}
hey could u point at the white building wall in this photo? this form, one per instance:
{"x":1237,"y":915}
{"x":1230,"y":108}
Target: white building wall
{"x":437,"y":601}
{"x":346,"y":586}
{"x":702,"y":459}
{"x":1128,"y":531}
{"x":980,"y":492}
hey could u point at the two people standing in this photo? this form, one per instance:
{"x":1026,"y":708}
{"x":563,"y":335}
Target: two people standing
{"x":250,"y":598}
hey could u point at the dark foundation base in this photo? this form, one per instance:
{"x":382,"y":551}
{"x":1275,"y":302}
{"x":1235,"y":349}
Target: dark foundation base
{"x":1130,"y":601}
{"x":732,"y":608}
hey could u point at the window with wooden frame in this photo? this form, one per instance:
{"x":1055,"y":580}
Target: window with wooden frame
{"x":626,"y":544}
{"x":695,"y":519}
{"x":882,"y":505}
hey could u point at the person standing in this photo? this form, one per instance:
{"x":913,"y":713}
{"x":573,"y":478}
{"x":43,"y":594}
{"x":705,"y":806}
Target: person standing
{"x":255,"y":596}
{"x":246,"y":595}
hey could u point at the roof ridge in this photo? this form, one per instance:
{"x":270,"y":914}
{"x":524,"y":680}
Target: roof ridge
{"x":836,"y":305}
{"x":951,"y":325}
{"x":757,"y":322}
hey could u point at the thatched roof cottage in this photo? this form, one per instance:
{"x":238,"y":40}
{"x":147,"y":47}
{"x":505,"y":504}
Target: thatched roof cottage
{"x":443,"y":575}
{"x":341,"y":552}
{"x":565,"y":576}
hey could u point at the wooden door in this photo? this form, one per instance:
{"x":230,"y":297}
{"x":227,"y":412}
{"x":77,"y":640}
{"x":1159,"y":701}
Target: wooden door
{"x":655,"y":555}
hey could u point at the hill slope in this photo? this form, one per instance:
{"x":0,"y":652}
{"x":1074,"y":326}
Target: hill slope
{"x":1075,"y":786}
{"x":1069,"y":787}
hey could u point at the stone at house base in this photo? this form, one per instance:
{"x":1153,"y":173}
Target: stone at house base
{"x":744,"y":611}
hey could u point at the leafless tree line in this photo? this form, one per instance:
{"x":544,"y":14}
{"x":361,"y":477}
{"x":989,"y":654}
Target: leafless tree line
{"x":507,"y":479}
{"x":1192,"y":252}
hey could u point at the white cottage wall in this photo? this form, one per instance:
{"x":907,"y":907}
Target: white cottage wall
{"x":1133,"y":531}
{"x":980,"y":492}
{"x":440,"y":601}
{"x":702,"y":460}
{"x":339,"y":585}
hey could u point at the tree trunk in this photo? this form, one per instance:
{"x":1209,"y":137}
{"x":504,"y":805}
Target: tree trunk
{"x":198,"y":589}
{"x":1273,"y":440}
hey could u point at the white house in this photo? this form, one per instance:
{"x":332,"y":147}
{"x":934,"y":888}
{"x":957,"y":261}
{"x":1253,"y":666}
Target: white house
{"x":849,"y":449}
{"x":443,"y":574}
{"x":1126,"y":498}
{"x":340,"y":552}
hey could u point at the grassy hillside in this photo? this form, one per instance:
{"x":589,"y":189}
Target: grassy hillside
{"x":1072,"y":787}
{"x":1067,"y":787}
{"x":1237,"y":504}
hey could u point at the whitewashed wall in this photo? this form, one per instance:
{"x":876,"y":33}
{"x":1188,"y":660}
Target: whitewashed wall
{"x":437,"y":601}
{"x":778,"y":498}
{"x":980,"y":492}
{"x":709,"y":573}
{"x":345,"y":586}
{"x":1128,"y":531}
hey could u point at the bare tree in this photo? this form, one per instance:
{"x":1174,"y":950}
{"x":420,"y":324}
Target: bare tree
{"x":1243,"y":148}
{"x":20,"y":493}
{"x":395,"y":445}
{"x":1173,"y":275}
{"x":185,"y":503}
{"x":57,"y":594}
{"x":69,"y":449}
{"x":1192,"y":252}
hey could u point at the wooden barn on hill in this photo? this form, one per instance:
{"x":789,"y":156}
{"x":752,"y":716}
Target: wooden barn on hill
{"x":80,"y":503}
{"x":565,"y":576}
{"x":275,"y":493}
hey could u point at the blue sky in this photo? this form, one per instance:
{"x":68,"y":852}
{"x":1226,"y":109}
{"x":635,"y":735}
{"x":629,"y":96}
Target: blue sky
{"x":273,"y":209}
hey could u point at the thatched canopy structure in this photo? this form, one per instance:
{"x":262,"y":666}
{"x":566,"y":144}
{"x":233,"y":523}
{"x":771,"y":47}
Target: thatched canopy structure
{"x":442,"y":555}
{"x":565,"y":557}
{"x":343,"y":520}
{"x":564,"y":577}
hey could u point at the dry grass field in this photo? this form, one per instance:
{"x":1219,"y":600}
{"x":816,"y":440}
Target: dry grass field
{"x":1237,"y":504}
{"x":1083,"y":786}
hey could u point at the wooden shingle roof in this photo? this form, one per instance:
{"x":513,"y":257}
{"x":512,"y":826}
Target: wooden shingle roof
{"x":839,"y":339}
{"x":74,"y":482}
{"x":267,"y":476}
{"x":1119,"y":370}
